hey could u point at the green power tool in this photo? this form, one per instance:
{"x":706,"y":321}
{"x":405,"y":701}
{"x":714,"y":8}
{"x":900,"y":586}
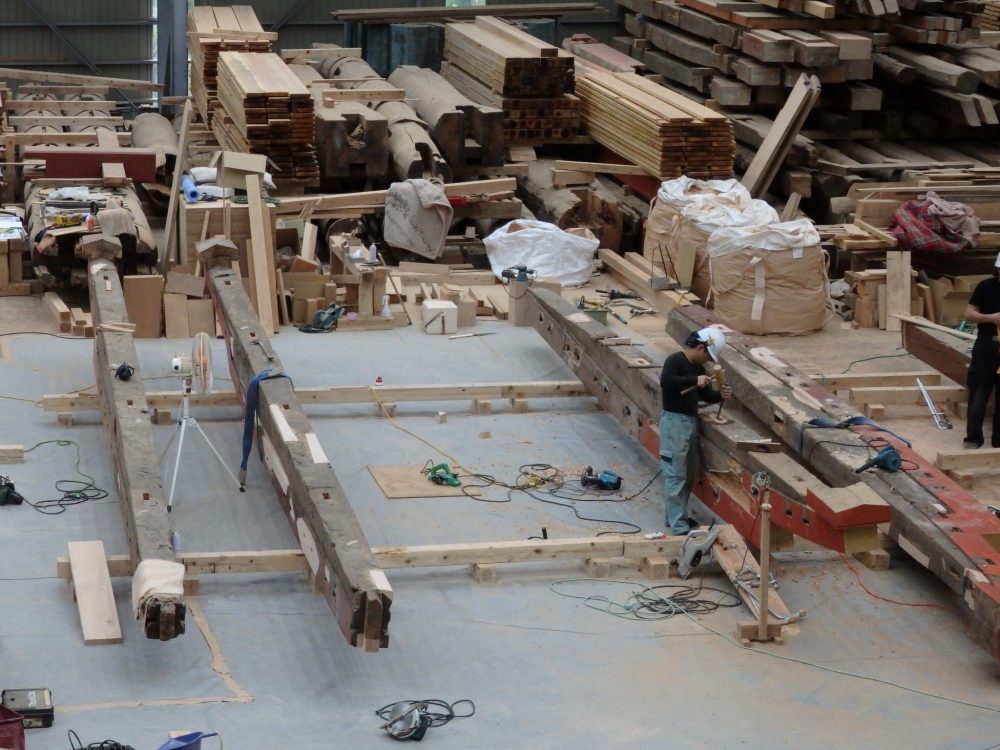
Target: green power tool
{"x":442,"y":474}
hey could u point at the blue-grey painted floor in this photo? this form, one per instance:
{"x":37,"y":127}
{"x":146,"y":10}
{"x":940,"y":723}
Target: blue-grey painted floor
{"x":544,"y":671}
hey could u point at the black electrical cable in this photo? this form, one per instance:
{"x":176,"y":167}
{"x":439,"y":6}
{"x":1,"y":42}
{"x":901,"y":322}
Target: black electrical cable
{"x":647,"y":603}
{"x":72,"y":491}
{"x":532,"y":477}
{"x":44,"y":333}
{"x":76,"y":744}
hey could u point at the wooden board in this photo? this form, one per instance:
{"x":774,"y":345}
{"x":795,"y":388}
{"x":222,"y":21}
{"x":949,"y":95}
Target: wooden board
{"x":95,"y":599}
{"x":144,"y":303}
{"x":186,"y":284}
{"x":201,"y":316}
{"x":175,"y":311}
{"x":403,"y":481}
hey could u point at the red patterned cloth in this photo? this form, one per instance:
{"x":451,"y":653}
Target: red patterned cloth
{"x":916,"y":228}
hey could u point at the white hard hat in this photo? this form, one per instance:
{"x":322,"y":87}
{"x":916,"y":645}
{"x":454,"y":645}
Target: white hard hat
{"x":714,"y":340}
{"x":997,"y":264}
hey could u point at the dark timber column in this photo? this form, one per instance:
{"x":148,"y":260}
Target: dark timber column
{"x":311,"y":495}
{"x":158,"y":580}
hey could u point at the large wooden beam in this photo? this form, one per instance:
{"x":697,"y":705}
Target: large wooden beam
{"x":16,"y":74}
{"x":934,"y":520}
{"x":630,"y":391}
{"x":130,"y":436}
{"x":341,"y":561}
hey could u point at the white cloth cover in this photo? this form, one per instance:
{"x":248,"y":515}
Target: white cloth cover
{"x":554,"y":254}
{"x":417,"y":217}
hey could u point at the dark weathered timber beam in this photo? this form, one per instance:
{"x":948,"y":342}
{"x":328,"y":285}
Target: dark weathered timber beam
{"x":935,"y":521}
{"x":625,"y":382}
{"x":947,"y":354}
{"x":130,"y":435}
{"x":341,"y":561}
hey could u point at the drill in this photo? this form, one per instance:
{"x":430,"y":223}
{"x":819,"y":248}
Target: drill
{"x":9,"y":495}
{"x":606,"y":480}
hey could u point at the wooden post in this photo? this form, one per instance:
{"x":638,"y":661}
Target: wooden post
{"x":765,"y":565}
{"x":170,"y":228}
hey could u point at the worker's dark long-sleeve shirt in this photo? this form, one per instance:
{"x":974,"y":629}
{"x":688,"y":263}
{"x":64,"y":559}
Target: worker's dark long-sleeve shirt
{"x":678,"y":374}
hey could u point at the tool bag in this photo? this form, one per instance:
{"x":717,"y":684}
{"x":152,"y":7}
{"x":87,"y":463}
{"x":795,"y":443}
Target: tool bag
{"x":11,"y":729}
{"x":769,"y":279}
{"x":683,"y":215}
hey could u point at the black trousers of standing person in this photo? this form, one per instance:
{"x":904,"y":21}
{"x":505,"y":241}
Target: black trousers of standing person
{"x":982,"y":381}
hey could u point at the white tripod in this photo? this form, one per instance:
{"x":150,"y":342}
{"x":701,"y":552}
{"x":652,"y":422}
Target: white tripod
{"x":182,"y":425}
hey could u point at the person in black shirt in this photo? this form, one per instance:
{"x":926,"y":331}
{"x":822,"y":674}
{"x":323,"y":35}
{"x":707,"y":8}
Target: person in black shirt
{"x":683,"y":385}
{"x":984,"y":310}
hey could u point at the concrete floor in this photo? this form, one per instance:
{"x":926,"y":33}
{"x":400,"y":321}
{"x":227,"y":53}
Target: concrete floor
{"x":545,"y":671}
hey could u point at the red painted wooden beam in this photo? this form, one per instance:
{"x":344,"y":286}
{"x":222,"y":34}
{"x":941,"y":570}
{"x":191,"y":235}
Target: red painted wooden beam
{"x":82,"y":163}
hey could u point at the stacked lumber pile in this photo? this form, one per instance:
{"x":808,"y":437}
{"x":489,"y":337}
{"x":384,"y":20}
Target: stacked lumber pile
{"x":266,"y":109}
{"x":494,"y":63}
{"x":989,"y":17}
{"x":204,"y":21}
{"x":655,"y":128}
{"x":887,"y":103}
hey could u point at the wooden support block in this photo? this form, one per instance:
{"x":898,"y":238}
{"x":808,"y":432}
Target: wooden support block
{"x":113,"y":174}
{"x":483,"y":572}
{"x":519,"y":405}
{"x":657,"y":568}
{"x":162,"y":416}
{"x":65,"y":418}
{"x":747,"y":632}
{"x":874,"y":559}
{"x":388,"y":409}
{"x":485,"y":435}
{"x":874,"y":412}
{"x":483,"y":408}
{"x":95,"y":599}
{"x":598,"y":567}
{"x":11,"y":454}
{"x":442,"y":417}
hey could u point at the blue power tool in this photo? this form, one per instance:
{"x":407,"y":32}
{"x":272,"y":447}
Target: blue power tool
{"x":605,"y":480}
{"x":887,"y":459}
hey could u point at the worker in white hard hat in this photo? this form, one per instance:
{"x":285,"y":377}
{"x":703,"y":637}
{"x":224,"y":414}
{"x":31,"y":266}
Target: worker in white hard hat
{"x":983,"y":311}
{"x":683,"y":385}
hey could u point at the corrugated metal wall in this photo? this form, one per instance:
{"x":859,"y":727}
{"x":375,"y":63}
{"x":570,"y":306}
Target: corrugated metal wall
{"x":311,"y":21}
{"x":117,"y":35}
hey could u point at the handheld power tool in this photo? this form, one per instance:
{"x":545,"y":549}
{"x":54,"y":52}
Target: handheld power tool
{"x":697,"y":546}
{"x":605,"y":480}
{"x":887,"y":459}
{"x":519,"y":273}
{"x":9,"y":495}
{"x":442,"y":474}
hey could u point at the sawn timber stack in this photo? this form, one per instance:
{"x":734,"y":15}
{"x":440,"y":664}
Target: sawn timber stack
{"x":205,"y":50}
{"x":266,"y":110}
{"x":657,"y":129}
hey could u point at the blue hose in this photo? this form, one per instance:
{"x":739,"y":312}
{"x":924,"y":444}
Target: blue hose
{"x":250,"y":416}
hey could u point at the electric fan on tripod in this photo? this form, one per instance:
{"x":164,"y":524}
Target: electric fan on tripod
{"x":195,"y":372}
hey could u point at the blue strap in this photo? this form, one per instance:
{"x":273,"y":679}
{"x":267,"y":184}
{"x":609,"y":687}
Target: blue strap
{"x":250,"y":416}
{"x":827,"y":422}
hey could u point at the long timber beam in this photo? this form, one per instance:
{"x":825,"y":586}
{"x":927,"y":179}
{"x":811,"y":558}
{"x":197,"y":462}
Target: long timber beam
{"x":137,"y":469}
{"x":626,"y":384}
{"x":934,"y":520}
{"x":341,"y":561}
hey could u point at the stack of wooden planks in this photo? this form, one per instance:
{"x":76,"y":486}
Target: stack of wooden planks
{"x":266,"y":110}
{"x":657,"y":129}
{"x":888,"y":104}
{"x":989,"y":17}
{"x":496,"y":64}
{"x":206,"y":41}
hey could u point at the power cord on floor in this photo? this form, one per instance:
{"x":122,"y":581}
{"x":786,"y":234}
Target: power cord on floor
{"x":646,"y":603}
{"x":76,"y":744}
{"x":547,"y":484}
{"x":72,"y":491}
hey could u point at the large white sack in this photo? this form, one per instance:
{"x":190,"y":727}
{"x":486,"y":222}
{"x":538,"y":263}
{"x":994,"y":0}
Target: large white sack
{"x":551,"y":252}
